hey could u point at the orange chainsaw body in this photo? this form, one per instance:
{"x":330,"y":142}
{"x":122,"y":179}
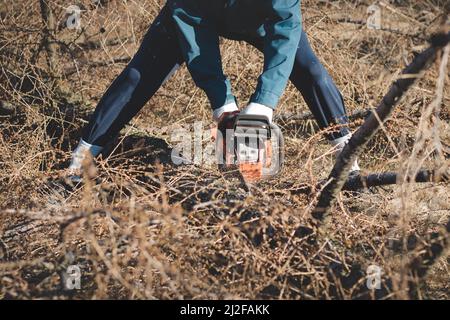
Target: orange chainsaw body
{"x":248,"y":143}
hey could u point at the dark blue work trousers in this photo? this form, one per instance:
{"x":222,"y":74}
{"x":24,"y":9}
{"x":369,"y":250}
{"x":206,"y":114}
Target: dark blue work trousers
{"x":160,"y":54}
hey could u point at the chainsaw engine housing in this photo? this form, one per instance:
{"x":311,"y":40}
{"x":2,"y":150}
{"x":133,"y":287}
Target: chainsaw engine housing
{"x":258,"y":147}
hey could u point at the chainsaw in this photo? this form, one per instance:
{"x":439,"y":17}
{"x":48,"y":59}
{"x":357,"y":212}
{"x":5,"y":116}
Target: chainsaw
{"x":251,"y":144}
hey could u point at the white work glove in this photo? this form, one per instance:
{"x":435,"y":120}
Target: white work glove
{"x":254,"y":108}
{"x":228,"y":108}
{"x":340,"y":143}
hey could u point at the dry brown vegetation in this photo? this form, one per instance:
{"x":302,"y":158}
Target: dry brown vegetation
{"x":143,"y":228}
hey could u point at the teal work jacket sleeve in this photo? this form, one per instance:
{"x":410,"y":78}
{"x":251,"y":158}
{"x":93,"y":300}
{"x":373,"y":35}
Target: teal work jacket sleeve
{"x":199,"y":42}
{"x":283,"y":29}
{"x":198,"y":29}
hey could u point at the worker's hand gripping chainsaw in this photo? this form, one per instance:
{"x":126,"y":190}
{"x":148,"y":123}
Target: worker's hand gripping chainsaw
{"x":251,"y":144}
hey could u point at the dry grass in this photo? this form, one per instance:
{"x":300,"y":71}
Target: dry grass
{"x":144,"y":228}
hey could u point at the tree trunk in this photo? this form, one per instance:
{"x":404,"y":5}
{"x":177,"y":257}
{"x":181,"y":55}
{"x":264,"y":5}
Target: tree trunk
{"x":49,"y":21}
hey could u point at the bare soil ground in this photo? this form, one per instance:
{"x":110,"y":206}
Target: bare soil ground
{"x":144,"y":228}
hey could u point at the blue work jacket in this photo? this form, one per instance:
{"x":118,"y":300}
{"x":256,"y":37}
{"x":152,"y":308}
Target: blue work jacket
{"x":199,"y":24}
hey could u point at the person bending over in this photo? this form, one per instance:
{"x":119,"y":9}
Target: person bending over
{"x":188,"y":31}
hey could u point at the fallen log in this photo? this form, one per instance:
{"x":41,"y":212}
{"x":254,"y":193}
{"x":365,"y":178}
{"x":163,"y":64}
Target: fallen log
{"x":389,"y":178}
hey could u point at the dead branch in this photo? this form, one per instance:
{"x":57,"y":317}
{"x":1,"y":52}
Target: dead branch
{"x":363,"y":23}
{"x":305,"y":116}
{"x":389,"y":178}
{"x":362,"y":136}
{"x":92,"y":45}
{"x":98,"y":64}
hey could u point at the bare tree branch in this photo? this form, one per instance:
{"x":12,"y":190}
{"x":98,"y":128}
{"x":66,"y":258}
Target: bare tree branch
{"x":363,"y":23}
{"x":97,"y":64}
{"x":340,"y":171}
{"x":286,"y":117}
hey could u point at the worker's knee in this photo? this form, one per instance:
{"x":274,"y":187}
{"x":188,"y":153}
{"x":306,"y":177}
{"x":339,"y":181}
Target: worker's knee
{"x":132,"y":76}
{"x":316,"y":71}
{"x":310,"y":67}
{"x":306,"y":62}
{"x":312,"y":73}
